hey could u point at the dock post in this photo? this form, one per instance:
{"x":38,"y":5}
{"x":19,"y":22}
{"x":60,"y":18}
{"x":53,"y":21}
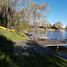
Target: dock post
{"x":57,"y":48}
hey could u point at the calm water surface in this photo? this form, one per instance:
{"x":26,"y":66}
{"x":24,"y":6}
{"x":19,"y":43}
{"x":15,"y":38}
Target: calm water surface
{"x":57,"y":35}
{"x":52,"y":35}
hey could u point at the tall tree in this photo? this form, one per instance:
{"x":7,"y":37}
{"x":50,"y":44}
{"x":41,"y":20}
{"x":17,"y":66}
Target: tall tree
{"x":6,"y":11}
{"x":58,"y":25}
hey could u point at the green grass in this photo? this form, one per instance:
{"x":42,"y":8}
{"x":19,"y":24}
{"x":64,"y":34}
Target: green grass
{"x":6,"y":61}
{"x":31,"y":60}
{"x":13,"y":35}
{"x":39,"y":60}
{"x":35,"y":60}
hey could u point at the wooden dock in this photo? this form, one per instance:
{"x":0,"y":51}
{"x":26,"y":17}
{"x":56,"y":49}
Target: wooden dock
{"x":48,"y":42}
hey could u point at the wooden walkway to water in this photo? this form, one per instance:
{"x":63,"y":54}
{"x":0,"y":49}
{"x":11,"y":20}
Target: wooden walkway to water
{"x":47,"y":42}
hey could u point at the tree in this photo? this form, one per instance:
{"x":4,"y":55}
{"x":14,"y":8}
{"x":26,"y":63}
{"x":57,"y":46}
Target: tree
{"x":6,"y":12}
{"x":36,"y":9}
{"x":66,"y":28}
{"x":58,"y":25}
{"x":21,"y":15}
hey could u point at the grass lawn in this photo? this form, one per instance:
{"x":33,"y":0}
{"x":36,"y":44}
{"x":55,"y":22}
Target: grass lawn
{"x":36,"y":60}
{"x":13,"y":35}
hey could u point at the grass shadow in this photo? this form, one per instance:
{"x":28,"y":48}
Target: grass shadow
{"x":6,"y":51}
{"x":27,"y":56}
{"x":33,"y":55}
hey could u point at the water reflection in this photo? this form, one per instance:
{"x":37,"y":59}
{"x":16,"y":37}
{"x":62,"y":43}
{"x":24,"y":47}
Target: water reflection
{"x":66,"y":34}
{"x":52,"y":35}
{"x":57,"y":35}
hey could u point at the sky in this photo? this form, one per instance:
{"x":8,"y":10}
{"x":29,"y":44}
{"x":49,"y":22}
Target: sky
{"x":58,"y":10}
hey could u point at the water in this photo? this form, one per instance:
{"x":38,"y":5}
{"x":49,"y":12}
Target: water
{"x":57,"y":35}
{"x":53,"y":35}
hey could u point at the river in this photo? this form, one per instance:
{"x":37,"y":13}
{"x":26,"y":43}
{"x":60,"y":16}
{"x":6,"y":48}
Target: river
{"x":55,"y":35}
